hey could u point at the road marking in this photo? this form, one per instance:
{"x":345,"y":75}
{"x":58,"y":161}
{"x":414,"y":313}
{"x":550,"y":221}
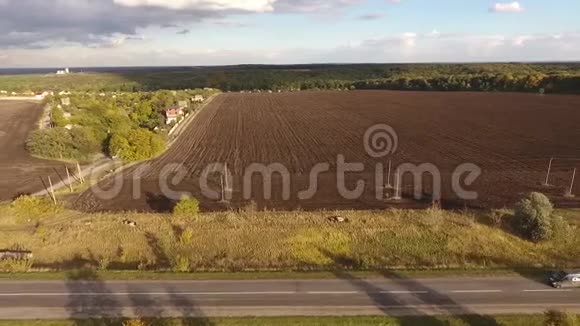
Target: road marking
{"x":548,"y":290}
{"x":332,"y":292}
{"x":405,"y":292}
{"x":476,"y":291}
{"x":139,"y":293}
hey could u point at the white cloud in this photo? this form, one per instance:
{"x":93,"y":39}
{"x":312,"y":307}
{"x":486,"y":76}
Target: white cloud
{"x":507,"y":7}
{"x":246,"y":5}
{"x":406,"y":48}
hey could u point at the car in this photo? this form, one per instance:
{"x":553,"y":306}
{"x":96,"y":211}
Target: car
{"x":564,"y":279}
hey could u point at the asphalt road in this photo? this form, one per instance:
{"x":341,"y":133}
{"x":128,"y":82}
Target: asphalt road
{"x":395,"y":297}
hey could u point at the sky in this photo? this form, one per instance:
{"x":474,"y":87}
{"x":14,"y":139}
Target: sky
{"x":92,"y":33}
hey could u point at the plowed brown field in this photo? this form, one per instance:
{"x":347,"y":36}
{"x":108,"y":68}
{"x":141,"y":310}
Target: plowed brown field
{"x":21,"y":173}
{"x":511,"y":137}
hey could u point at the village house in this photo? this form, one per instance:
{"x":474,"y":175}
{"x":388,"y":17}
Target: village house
{"x":65,"y":101}
{"x":41,"y":96}
{"x":198,"y":99}
{"x":172,"y":114}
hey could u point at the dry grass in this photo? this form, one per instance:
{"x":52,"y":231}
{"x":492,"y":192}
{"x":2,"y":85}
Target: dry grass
{"x":511,"y":320}
{"x":278,"y":241}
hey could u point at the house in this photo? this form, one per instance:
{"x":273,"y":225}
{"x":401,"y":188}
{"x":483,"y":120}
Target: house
{"x":41,"y":96}
{"x":64,"y":93}
{"x":3,"y":92}
{"x":197,"y":99}
{"x":172,"y":114}
{"x":65,"y":101}
{"x":66,"y":71}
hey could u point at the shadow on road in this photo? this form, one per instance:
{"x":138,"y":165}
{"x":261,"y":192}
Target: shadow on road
{"x":422,"y":295}
{"x":90,"y":303}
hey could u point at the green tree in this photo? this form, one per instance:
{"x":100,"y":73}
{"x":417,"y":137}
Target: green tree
{"x":57,"y":117}
{"x":136,"y":145}
{"x":533,"y":217}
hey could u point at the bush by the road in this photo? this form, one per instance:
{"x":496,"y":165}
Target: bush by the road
{"x":535,"y":220}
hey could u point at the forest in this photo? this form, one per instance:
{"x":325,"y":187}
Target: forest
{"x":520,"y":77}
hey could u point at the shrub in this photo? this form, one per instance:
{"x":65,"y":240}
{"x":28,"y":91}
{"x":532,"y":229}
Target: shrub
{"x":180,"y":263}
{"x":30,"y":207}
{"x":559,"y":318}
{"x":135,"y":322}
{"x":15,"y":265}
{"x":533,"y":217}
{"x":186,"y":206}
{"x":496,"y":218}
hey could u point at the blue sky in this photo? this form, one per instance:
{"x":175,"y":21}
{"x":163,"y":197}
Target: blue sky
{"x":195,"y":32}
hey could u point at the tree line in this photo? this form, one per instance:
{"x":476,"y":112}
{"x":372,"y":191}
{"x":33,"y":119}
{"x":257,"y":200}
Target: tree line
{"x":551,"y":77}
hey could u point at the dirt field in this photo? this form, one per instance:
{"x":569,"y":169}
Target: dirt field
{"x":19,"y":172}
{"x":511,"y":137}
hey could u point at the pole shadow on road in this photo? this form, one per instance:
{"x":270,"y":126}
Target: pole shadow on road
{"x":91,"y":310}
{"x":422,"y":293}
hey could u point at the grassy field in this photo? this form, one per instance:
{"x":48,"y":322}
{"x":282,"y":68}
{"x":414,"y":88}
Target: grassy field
{"x":276,"y":241}
{"x":511,"y":320}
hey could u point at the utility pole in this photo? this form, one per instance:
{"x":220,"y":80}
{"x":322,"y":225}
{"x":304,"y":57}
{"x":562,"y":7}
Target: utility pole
{"x":389,"y":185}
{"x":81,"y":178}
{"x":397,"y":186}
{"x":570,"y":193}
{"x":548,"y":174}
{"x":68,"y":179}
{"x":52,"y":195}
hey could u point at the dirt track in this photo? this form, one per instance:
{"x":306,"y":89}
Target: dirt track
{"x":21,"y":173}
{"x":511,"y":137}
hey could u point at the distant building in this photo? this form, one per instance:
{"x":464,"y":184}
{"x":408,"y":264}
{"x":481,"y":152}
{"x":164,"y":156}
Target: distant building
{"x":64,"y":93}
{"x":66,"y":71}
{"x":172,"y":114}
{"x":198,"y":99}
{"x":65,"y":101}
{"x":41,"y":96}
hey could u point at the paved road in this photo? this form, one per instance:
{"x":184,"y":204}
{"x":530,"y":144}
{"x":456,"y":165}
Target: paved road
{"x":33,"y":299}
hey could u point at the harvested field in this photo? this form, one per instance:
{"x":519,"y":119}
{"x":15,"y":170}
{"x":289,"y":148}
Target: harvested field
{"x":21,"y":173}
{"x":510,"y":137}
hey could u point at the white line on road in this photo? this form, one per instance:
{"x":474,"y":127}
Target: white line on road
{"x":476,"y":291}
{"x":548,"y":290}
{"x":332,"y":292}
{"x":405,"y":292}
{"x":138,"y":293}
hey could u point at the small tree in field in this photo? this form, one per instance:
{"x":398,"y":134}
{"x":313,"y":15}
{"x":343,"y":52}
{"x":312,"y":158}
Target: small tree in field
{"x":534,"y":217}
{"x":186,"y":206}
